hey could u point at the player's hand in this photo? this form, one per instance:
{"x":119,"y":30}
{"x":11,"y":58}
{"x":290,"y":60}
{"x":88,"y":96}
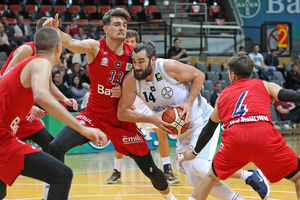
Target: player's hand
{"x":37,"y":112}
{"x":50,"y":22}
{"x":159,"y":123}
{"x":95,"y":135}
{"x":72,"y":102}
{"x":116,"y":90}
{"x":187,"y":155}
{"x":186,"y":110}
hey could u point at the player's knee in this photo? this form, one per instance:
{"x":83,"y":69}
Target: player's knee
{"x":157,"y":178}
{"x":200,"y":167}
{"x":55,"y":148}
{"x":64,"y":174}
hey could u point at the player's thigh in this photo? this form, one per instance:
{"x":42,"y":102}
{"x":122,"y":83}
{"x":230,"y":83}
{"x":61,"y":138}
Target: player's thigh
{"x":68,"y":138}
{"x":45,"y":167}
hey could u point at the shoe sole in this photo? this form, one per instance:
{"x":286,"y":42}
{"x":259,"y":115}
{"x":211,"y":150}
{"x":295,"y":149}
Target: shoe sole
{"x":176,"y":181}
{"x":114,"y":182}
{"x":266,"y":181}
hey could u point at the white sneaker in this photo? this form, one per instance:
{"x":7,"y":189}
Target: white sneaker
{"x":46,"y":187}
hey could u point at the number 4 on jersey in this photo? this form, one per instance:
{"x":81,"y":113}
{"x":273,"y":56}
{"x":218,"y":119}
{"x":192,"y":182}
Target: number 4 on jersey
{"x":240,"y":109}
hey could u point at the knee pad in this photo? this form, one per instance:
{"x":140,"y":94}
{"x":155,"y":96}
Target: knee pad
{"x":157,"y":178}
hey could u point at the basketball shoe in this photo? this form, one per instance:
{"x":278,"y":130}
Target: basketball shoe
{"x":115,"y":177}
{"x":259,"y":183}
{"x":171,"y":178}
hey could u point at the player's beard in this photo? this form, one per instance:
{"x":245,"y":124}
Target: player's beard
{"x":145,"y":73}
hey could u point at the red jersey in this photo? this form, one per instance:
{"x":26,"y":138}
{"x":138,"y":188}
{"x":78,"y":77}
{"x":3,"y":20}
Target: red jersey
{"x":106,"y":68}
{"x":15,"y":102}
{"x":3,"y":69}
{"x":246,"y":100}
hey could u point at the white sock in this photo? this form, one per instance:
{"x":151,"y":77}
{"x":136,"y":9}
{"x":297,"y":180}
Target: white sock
{"x":46,"y":187}
{"x":166,"y":160}
{"x":245,"y":174}
{"x":169,"y":196}
{"x":238,"y":197}
{"x":191,"y":198}
{"x":117,"y":164}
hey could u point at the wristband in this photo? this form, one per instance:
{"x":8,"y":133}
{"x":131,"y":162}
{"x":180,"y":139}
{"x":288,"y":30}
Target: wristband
{"x":195,"y":153}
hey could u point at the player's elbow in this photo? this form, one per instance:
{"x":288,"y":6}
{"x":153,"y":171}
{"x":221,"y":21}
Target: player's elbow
{"x":120,"y":115}
{"x":40,"y":97}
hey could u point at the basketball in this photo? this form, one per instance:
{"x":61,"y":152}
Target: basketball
{"x":178,"y":125}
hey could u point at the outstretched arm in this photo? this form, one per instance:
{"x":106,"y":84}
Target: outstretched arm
{"x":206,"y":134}
{"x":39,"y":75}
{"x":59,"y":96}
{"x":88,"y":46}
{"x":281,"y":94}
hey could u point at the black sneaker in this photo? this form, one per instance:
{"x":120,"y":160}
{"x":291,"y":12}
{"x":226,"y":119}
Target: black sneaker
{"x":259,"y":183}
{"x":115,"y":177}
{"x":171,"y":178}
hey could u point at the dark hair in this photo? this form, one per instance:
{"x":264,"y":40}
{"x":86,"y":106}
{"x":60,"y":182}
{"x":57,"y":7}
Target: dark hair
{"x":56,"y":72}
{"x":80,"y":83}
{"x":294,"y":64}
{"x":241,"y":65}
{"x":255,"y":44}
{"x":40,"y":22}
{"x":73,"y":65}
{"x":43,"y":36}
{"x":148,"y":46}
{"x":132,"y":33}
{"x":175,"y":40}
{"x":217,"y":83}
{"x":115,"y":12}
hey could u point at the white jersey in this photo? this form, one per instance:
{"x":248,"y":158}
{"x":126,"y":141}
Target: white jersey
{"x":163,"y":92}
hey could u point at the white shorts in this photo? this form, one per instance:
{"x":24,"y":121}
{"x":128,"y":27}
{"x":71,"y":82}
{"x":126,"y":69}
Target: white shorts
{"x":141,"y":107}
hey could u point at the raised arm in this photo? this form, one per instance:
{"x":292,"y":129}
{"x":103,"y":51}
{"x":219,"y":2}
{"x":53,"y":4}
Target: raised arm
{"x":125,"y":113}
{"x":88,"y":46}
{"x":186,"y":73}
{"x":37,"y":76}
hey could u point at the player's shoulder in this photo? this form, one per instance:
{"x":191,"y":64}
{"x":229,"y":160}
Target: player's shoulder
{"x":39,"y":61}
{"x":25,"y":48}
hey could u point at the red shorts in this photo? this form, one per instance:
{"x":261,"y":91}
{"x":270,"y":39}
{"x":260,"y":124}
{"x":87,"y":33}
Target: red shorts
{"x":259,"y":143}
{"x":126,"y":138}
{"x":12,"y":152}
{"x":28,"y":126}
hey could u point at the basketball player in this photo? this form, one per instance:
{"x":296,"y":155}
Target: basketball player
{"x":31,"y":128}
{"x":162,"y":83}
{"x":249,"y":135}
{"x":132,"y":39}
{"x":32,"y":78}
{"x":109,"y":61}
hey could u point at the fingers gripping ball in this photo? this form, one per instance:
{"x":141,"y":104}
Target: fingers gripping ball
{"x":172,"y":116}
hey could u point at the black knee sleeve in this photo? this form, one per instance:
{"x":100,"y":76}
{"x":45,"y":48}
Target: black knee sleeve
{"x":65,"y":174}
{"x":56,"y":150}
{"x":157,"y":178}
{"x":150,"y":170}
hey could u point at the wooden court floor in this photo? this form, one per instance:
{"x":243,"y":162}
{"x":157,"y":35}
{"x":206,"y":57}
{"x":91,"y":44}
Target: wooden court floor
{"x":92,"y":170}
